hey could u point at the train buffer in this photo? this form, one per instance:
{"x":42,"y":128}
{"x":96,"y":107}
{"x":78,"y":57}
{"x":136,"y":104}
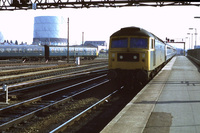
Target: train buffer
{"x":170,"y":103}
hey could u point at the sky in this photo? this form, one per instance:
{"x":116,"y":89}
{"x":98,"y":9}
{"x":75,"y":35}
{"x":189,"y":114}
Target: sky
{"x":99,"y":23}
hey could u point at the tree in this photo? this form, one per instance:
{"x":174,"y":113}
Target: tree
{"x":16,"y":42}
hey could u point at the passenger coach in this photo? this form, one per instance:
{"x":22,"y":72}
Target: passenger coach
{"x":46,"y":52}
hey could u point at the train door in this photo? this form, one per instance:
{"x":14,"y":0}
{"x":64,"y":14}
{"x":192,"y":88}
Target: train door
{"x":46,"y":48}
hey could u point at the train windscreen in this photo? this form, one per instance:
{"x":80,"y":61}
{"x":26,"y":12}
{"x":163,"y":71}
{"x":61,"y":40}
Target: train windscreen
{"x":119,"y":43}
{"x":138,"y":43}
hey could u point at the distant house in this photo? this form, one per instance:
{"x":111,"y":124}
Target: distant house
{"x":100,"y":45}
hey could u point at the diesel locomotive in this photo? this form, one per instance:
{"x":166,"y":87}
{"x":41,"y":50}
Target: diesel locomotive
{"x":136,"y":55}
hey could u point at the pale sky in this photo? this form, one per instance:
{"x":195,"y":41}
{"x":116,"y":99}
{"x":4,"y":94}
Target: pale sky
{"x":99,"y":23}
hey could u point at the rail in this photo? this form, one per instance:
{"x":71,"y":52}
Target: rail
{"x":26,"y":109}
{"x":75,"y":118}
{"x":40,"y":74}
{"x":39,"y":82}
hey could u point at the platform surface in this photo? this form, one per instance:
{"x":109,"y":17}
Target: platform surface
{"x":170,"y":103}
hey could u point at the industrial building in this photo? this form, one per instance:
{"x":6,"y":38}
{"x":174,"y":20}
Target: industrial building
{"x":50,"y":30}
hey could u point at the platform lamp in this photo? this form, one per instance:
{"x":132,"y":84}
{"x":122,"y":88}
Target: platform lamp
{"x":195,"y":35}
{"x":67,"y":40}
{"x":191,"y":39}
{"x":197,"y":17}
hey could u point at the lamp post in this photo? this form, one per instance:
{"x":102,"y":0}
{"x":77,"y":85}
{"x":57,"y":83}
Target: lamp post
{"x":191,"y":39}
{"x":68,"y":40}
{"x":195,"y":35}
{"x":197,"y":17}
{"x":82,"y":38}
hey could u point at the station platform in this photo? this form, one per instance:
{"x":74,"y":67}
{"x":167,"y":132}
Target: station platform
{"x":169,"y":103}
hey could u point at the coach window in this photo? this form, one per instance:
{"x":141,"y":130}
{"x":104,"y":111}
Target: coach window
{"x":62,"y":50}
{"x":52,"y":50}
{"x":40,"y":50}
{"x":29,"y":50}
{"x":8,"y":50}
{"x":20,"y":50}
{"x":1,"y":50}
{"x":35,"y":50}
{"x":14,"y":50}
{"x":57,"y":50}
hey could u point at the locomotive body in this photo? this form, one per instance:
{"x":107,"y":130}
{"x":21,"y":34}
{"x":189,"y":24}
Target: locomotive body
{"x":135,"y":54}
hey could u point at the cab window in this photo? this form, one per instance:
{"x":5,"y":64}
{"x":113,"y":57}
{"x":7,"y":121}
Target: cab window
{"x":138,"y":43}
{"x":119,"y":43}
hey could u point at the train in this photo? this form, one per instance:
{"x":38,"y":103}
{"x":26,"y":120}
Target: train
{"x":136,"y":55}
{"x":45,"y":52}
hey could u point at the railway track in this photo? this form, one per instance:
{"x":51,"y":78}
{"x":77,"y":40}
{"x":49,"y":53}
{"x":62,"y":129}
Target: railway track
{"x":5,"y":71}
{"x":4,"y":64}
{"x":71,"y":121}
{"x":14,"y":114}
{"x":20,"y":63}
{"x":12,"y":79}
{"x":33,"y":85}
{"x":21,"y":70}
{"x":72,"y":109}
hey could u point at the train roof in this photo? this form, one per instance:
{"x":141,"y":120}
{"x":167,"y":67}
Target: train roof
{"x":132,"y":31}
{"x":20,"y":46}
{"x":170,"y":46}
{"x":73,"y":46}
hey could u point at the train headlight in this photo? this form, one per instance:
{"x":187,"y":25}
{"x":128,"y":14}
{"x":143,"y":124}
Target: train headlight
{"x":121,"y":57}
{"x":134,"y":57}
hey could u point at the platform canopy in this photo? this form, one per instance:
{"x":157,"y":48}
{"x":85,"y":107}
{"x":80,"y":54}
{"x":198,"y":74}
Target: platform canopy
{"x":45,"y":4}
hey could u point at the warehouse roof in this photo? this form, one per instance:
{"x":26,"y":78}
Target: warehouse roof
{"x":95,"y":43}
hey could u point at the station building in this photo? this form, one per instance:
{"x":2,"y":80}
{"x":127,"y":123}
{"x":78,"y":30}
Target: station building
{"x":100,"y":45}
